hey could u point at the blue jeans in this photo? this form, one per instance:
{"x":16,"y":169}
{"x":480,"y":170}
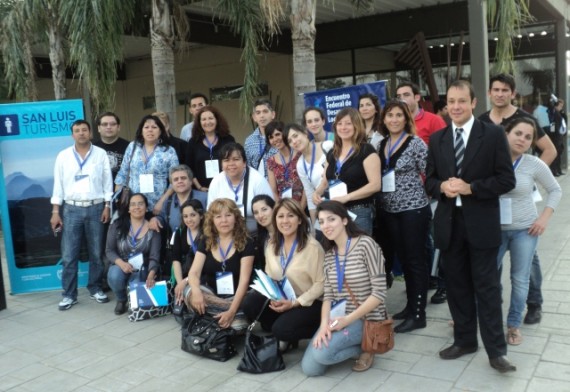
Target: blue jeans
{"x":81,"y":223}
{"x":521,"y":246}
{"x":363,"y":218}
{"x":343,"y":345}
{"x":534,"y":289}
{"x":118,"y":280}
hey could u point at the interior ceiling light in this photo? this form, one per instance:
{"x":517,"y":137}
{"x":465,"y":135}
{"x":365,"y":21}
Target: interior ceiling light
{"x":431,"y":46}
{"x":519,"y":35}
{"x":496,"y":39}
{"x":531,"y":35}
{"x":452,"y":44}
{"x":441,"y":46}
{"x":543,"y":33}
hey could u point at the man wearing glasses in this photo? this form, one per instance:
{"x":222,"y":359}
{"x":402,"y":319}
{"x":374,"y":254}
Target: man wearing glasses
{"x":109,"y":126}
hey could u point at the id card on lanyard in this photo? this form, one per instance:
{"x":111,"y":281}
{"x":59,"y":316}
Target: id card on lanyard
{"x":224,"y":280}
{"x":82,"y":183}
{"x":146,"y":181}
{"x":285,"y":262}
{"x":212,"y":166}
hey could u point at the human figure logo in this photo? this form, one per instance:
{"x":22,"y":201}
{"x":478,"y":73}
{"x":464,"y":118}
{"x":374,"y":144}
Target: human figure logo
{"x":9,"y":125}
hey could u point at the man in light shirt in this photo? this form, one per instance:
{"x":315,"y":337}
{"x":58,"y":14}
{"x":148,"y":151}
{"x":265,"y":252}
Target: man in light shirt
{"x":82,"y":191}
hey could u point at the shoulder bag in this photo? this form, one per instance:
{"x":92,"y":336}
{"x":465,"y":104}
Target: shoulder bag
{"x":260,"y":353}
{"x":377,"y":336}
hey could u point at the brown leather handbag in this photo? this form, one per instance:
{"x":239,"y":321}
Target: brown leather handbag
{"x":377,"y":336}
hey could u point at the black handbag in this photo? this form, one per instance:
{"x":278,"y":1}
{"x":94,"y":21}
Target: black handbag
{"x":202,"y":335}
{"x":260,"y":353}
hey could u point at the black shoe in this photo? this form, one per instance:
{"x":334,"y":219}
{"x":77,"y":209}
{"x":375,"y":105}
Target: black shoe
{"x":401,"y":315}
{"x":454,"y":352}
{"x":502,"y":364}
{"x":439,"y":297}
{"x":121,"y":307}
{"x":410,"y":324}
{"x":533,"y":314}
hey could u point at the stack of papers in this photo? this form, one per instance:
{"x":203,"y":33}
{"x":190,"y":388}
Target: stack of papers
{"x":143,"y":297}
{"x":272,"y":289}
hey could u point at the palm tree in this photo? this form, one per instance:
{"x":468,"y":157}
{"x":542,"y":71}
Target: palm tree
{"x":506,"y":17}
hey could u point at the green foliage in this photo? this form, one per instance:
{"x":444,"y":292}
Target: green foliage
{"x":506,"y":17}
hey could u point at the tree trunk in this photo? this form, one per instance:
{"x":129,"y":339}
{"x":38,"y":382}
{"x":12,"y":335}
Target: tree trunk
{"x":31,"y":88}
{"x":303,"y":32}
{"x":56,"y":55}
{"x":162,"y":53}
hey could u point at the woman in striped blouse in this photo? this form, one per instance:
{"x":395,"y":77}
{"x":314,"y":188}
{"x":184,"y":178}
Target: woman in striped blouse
{"x":520,"y":222}
{"x":352,"y":260}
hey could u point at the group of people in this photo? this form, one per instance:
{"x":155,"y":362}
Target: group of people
{"x":309,"y":208}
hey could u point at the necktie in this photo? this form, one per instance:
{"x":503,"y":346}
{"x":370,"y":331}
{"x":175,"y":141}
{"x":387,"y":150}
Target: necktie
{"x":459,"y":149}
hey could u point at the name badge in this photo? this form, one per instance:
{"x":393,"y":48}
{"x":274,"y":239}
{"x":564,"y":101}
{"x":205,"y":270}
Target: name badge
{"x":506,"y":208}
{"x":172,"y":238}
{"x":389,"y":181}
{"x":337,"y":189}
{"x":212,"y":168}
{"x":338,"y":309}
{"x":352,"y":215}
{"x":146,"y":182}
{"x":242,"y":210}
{"x":82,"y":184}
{"x":288,"y":289}
{"x":136,"y":261}
{"x":224,"y":283}
{"x":288,"y":192}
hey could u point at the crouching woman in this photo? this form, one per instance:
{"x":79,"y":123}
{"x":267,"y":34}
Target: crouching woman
{"x":352,"y":260}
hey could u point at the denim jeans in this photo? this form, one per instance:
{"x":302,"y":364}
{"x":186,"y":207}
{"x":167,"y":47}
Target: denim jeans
{"x":343,"y":345}
{"x":535,"y":286}
{"x":81,"y":223}
{"x":363,"y":218}
{"x":118,"y":280}
{"x":521,"y":246}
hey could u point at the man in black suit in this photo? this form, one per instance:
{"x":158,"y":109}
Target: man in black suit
{"x":468,"y":167}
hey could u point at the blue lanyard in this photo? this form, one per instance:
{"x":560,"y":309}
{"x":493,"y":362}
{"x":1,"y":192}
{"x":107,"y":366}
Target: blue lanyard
{"x":134,"y":235}
{"x":191,"y":240}
{"x":236,"y":189}
{"x":339,"y":270}
{"x":391,"y":149}
{"x":81,"y":162}
{"x":286,"y":164}
{"x":285,"y":264}
{"x":224,"y":254}
{"x":516,"y":163}
{"x":310,"y":173}
{"x":148,"y":157}
{"x":211,"y":145}
{"x":339,"y":163}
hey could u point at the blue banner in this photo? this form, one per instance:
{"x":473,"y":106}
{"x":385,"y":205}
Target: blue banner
{"x":333,"y":100}
{"x":31,"y":136}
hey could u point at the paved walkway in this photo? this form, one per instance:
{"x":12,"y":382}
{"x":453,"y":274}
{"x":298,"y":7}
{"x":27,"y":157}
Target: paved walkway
{"x":88,"y":348}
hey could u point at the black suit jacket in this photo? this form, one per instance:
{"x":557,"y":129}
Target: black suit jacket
{"x":487,"y":166}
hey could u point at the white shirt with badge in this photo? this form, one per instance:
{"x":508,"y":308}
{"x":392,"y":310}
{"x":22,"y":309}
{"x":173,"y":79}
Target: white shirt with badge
{"x":91,"y":182}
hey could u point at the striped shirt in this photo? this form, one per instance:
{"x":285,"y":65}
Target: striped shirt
{"x":364,"y":274}
{"x":530,"y":170}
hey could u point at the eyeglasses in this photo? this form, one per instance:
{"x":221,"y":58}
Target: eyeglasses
{"x":137,"y":204}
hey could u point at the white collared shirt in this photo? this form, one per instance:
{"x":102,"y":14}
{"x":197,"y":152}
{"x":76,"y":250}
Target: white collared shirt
{"x":96,"y":167}
{"x":466,"y":130}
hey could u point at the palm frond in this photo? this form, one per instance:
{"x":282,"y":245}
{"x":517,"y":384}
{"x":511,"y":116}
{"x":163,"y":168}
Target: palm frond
{"x":506,"y":17}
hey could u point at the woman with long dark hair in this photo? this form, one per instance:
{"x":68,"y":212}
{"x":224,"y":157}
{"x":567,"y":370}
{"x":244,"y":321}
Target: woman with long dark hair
{"x":369,"y":108}
{"x":404,"y":213}
{"x":133,"y":251}
{"x":294,"y":259}
{"x":353,"y":260}
{"x":262,"y":207}
{"x":147,"y":161}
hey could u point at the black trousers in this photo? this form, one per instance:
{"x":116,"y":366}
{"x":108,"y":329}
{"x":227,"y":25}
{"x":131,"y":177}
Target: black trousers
{"x":295,"y":324}
{"x":473,"y":291}
{"x":405,"y":234}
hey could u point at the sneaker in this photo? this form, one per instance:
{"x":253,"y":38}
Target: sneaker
{"x":67,"y":303}
{"x":100,"y":297}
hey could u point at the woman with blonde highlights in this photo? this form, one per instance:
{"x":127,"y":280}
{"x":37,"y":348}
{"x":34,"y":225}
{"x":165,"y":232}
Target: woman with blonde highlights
{"x":223,"y":263}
